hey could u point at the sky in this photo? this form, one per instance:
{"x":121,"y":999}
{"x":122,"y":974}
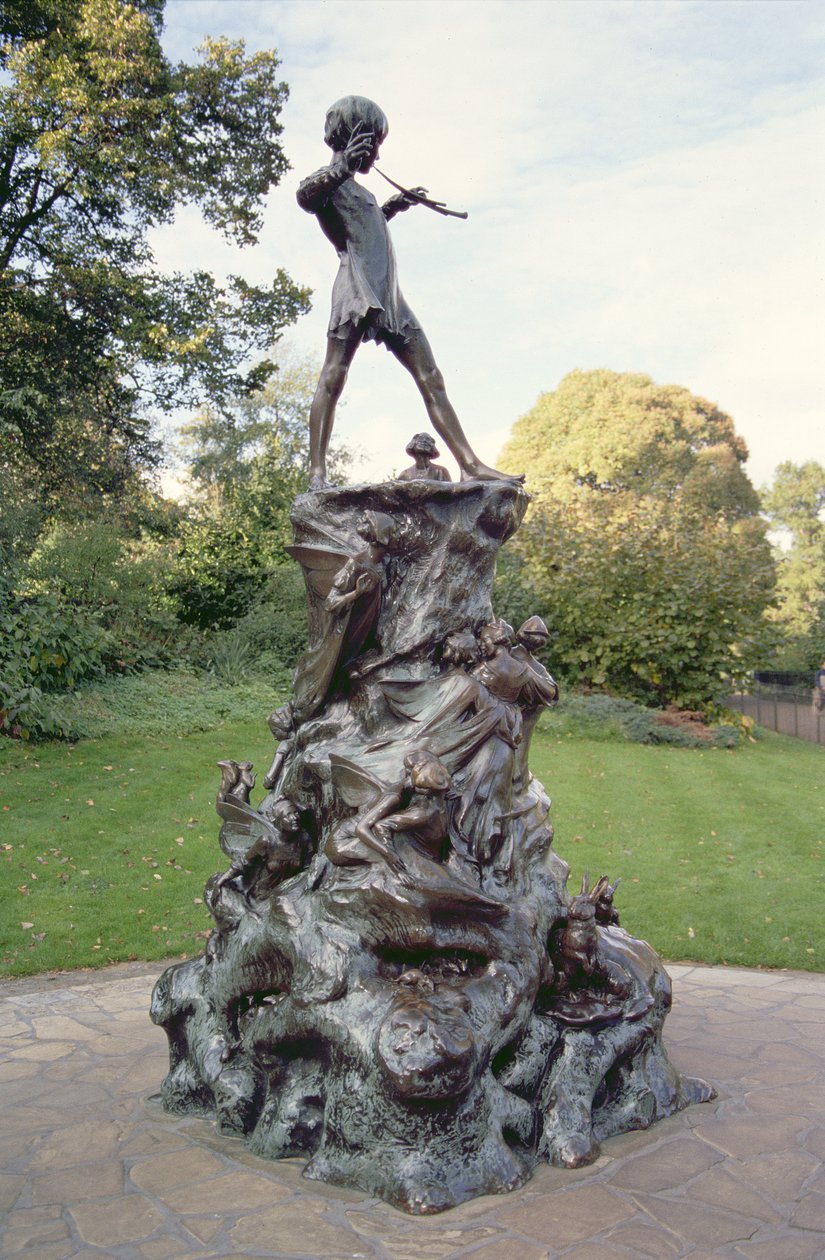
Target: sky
{"x":644,"y":182}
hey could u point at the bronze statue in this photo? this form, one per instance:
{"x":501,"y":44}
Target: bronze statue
{"x":473,"y":721}
{"x":400,"y":989}
{"x":367,"y":303}
{"x":277,"y":853}
{"x":414,"y":807}
{"x":532,"y":637}
{"x":345,"y":598}
{"x":423,"y":450}
{"x":282,"y":725}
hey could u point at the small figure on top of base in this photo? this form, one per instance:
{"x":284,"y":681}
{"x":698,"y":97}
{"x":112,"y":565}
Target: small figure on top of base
{"x":423,"y":449}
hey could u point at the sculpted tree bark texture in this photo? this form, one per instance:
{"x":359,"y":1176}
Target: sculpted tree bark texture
{"x":399,"y":987}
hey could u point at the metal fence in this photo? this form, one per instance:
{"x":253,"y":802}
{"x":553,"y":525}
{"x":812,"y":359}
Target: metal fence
{"x":788,"y":710}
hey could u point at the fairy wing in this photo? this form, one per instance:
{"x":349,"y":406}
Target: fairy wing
{"x":320,"y":565}
{"x":357,"y":787}
{"x":242,"y":826}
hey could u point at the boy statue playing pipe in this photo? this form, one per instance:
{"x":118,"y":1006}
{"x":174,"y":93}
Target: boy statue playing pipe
{"x":367,"y":304}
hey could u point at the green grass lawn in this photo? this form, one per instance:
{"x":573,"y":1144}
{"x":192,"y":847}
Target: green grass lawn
{"x":107,"y":845}
{"x":721,"y":853}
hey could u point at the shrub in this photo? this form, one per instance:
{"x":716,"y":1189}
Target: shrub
{"x":99,"y":568}
{"x":26,"y":713}
{"x":267,"y":640}
{"x":45,"y":648}
{"x":600,"y":716}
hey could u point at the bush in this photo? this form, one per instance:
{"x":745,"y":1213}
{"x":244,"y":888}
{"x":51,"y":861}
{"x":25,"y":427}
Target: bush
{"x":45,"y":644}
{"x":45,"y":648}
{"x":26,"y":713}
{"x":268,"y":639}
{"x":100,"y":569}
{"x":599,"y":716}
{"x":216,"y":575}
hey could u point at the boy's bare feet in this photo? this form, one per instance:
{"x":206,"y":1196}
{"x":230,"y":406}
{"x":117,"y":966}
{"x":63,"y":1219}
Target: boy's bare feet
{"x":482,"y":472}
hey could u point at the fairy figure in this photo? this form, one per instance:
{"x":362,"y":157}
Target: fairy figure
{"x":344,"y":595}
{"x":531,"y":637}
{"x":415,"y":805}
{"x":278,"y":850}
{"x":473,"y":722}
{"x":282,"y":725}
{"x":401,"y":835}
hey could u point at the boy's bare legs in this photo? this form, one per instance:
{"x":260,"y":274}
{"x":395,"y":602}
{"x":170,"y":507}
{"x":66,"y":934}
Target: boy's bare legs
{"x":331,"y":382}
{"x":417,"y":357}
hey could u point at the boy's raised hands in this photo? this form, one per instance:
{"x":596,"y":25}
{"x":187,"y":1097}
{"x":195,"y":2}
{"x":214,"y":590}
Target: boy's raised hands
{"x":361,"y":144}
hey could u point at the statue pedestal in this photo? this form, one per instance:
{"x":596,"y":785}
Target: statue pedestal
{"x":399,"y":987}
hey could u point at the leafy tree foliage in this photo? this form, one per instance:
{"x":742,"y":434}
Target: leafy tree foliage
{"x":250,"y":460}
{"x":247,"y":465}
{"x":795,"y":504}
{"x":101,"y":138}
{"x":643,"y":549}
{"x":619,"y":431}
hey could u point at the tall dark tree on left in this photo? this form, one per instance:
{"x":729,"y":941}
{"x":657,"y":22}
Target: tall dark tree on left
{"x":101,"y":138}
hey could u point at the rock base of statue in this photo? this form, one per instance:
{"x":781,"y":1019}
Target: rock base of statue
{"x":399,"y":987}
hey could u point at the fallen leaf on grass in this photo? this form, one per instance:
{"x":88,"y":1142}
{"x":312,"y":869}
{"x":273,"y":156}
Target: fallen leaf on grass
{"x":26,"y":926}
{"x":90,"y":801}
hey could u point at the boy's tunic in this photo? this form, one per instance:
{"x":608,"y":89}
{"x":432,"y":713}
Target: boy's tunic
{"x":366,"y":291}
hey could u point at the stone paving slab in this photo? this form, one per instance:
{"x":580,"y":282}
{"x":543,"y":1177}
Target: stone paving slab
{"x":91,"y":1167}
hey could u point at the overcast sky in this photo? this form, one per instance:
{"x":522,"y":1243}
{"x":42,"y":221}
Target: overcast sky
{"x":645,"y":188}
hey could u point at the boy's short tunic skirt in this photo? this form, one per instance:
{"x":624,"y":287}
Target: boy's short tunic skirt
{"x":366,"y":293}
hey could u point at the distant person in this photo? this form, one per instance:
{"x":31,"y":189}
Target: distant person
{"x":367,"y":304}
{"x":819,"y":689}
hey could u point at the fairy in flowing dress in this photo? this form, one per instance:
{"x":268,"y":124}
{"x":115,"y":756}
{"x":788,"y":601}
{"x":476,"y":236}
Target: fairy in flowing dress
{"x":472,"y":722}
{"x":344,"y":595}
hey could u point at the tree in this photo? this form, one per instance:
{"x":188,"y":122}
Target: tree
{"x":262,"y":437}
{"x":795,"y":504}
{"x":246,"y":464}
{"x":101,"y":138}
{"x":643,"y":549}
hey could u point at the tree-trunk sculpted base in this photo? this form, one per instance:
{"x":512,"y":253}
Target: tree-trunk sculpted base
{"x":399,"y":986}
